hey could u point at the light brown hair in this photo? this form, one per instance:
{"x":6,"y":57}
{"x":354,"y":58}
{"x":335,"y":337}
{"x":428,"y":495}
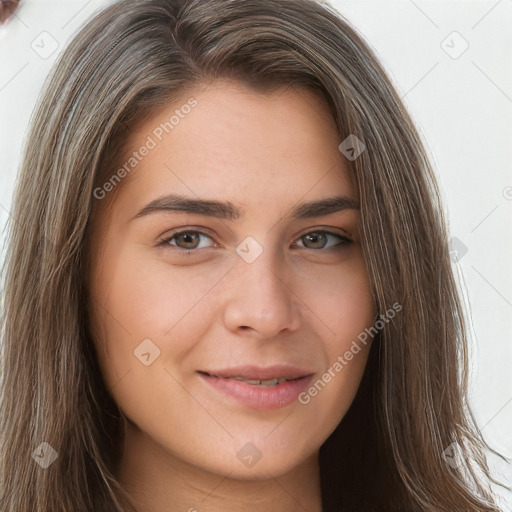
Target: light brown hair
{"x":131,"y":59}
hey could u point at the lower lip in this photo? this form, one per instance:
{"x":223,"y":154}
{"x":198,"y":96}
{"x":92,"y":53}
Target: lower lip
{"x":259,"y":397}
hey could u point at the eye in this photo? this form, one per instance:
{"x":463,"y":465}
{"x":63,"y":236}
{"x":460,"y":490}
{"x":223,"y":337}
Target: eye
{"x":320,"y":240}
{"x":187,"y":241}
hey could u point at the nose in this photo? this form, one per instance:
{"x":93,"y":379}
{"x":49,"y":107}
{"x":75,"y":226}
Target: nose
{"x":261,"y":298}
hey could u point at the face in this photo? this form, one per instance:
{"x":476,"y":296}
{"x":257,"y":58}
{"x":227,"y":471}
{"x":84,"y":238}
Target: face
{"x":195,"y":303}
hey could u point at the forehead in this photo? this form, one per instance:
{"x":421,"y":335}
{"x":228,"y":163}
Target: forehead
{"x":225,"y":140}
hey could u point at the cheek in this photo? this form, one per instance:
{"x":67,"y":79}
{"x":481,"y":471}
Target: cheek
{"x":344,"y":302}
{"x":342,"y":299}
{"x":138,"y":299}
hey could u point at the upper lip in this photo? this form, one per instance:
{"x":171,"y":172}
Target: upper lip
{"x":278,"y":371}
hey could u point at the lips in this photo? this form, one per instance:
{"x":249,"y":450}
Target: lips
{"x":259,"y":382}
{"x":254,"y":382}
{"x":267,"y":373}
{"x":263,"y":388}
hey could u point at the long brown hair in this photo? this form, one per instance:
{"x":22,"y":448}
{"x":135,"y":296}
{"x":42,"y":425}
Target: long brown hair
{"x":130,"y":59}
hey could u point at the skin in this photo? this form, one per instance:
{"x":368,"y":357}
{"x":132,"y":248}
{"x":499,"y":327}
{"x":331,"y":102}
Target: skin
{"x":297,"y":303}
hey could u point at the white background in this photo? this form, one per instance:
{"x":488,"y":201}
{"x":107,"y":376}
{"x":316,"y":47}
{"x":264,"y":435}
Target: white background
{"x":462,"y":105}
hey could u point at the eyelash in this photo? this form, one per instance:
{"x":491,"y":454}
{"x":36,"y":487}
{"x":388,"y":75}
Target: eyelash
{"x":167,"y":241}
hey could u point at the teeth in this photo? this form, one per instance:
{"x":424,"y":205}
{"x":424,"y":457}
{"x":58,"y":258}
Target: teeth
{"x":257,"y":382}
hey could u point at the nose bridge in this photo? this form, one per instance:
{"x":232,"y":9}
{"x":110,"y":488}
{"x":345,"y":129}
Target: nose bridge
{"x":260,"y":295}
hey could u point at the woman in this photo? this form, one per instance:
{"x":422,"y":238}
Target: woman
{"x":309,"y":353}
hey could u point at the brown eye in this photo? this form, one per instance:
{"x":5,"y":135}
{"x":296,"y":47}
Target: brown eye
{"x":320,"y":239}
{"x":315,"y":240}
{"x":185,"y":240}
{"x":189,"y":240}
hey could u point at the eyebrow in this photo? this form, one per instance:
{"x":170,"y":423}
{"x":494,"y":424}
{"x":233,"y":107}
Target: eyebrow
{"x":227,"y":210}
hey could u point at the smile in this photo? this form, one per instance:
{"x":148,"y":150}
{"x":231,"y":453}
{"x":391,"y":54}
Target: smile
{"x":257,"y":393}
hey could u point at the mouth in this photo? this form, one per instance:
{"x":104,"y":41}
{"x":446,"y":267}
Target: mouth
{"x":254,"y":382}
{"x":257,"y":387}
